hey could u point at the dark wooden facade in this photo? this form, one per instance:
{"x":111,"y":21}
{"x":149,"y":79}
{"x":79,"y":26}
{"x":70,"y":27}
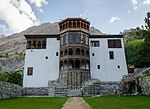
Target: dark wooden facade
{"x":74,"y":52}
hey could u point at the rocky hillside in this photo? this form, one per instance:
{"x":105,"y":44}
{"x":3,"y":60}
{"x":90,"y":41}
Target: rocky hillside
{"x":12,"y":48}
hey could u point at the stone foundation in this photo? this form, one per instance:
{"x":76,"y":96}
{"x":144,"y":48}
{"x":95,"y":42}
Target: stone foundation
{"x":32,"y":91}
{"x":56,"y":88}
{"x":8,"y":90}
{"x":95,"y":87}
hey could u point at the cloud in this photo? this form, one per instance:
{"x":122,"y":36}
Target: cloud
{"x":135,"y":4}
{"x":146,"y":2}
{"x":17,"y":14}
{"x":113,"y":19}
{"x":39,"y":3}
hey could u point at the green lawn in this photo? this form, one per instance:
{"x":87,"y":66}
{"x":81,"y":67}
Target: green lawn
{"x":115,"y":102}
{"x":33,"y":103}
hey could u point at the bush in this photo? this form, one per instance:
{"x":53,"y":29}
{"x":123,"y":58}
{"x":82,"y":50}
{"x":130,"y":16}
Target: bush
{"x":14,"y":77}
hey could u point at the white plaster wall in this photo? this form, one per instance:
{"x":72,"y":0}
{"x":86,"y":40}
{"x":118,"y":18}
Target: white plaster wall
{"x":108,"y":68}
{"x":43,"y":69}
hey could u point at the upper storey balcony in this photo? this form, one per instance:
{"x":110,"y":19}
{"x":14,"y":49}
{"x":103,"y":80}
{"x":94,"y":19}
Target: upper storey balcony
{"x":78,"y":24}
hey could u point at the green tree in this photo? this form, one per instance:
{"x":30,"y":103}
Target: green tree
{"x":144,"y":58}
{"x":138,"y":52}
{"x":133,"y":51}
{"x":15,"y":78}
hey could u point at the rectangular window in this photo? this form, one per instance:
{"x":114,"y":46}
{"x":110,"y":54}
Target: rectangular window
{"x":98,"y":66}
{"x":111,"y":55}
{"x":70,"y":37}
{"x":30,"y":71}
{"x":78,"y":38}
{"x":95,"y":44}
{"x":114,"y":43}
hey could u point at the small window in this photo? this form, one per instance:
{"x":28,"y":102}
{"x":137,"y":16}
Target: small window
{"x":46,"y":57}
{"x":98,"y":66}
{"x":95,"y":44}
{"x":118,"y":66}
{"x":30,"y":71}
{"x":111,"y":55}
{"x":93,"y":54}
{"x":56,"y":53}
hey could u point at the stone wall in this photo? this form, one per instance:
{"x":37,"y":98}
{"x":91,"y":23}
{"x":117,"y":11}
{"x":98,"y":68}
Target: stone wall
{"x":145,"y":85}
{"x":57,"y":88}
{"x":96,"y":87}
{"x":40,"y":91}
{"x":8,"y":90}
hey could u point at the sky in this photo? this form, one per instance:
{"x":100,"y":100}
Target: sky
{"x":109,"y":16}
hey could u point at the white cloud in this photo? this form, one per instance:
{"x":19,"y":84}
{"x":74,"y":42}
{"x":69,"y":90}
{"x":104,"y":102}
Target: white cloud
{"x":135,"y":4}
{"x":39,"y":3}
{"x":146,"y":2}
{"x":113,"y":19}
{"x":17,"y":14}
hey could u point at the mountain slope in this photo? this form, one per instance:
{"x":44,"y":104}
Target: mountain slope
{"x":12,"y":47}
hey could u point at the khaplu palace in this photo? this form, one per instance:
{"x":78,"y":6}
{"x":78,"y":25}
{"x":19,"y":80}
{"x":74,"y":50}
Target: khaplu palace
{"x":73,"y":56}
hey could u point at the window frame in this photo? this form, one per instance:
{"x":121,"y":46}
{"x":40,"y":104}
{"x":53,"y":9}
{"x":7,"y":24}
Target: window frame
{"x":111,"y":55}
{"x":29,"y":71}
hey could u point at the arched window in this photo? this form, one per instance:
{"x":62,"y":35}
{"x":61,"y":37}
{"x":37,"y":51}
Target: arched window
{"x":39,"y":45}
{"x":87,"y":52}
{"x":61,"y":53}
{"x":61,"y":67}
{"x":82,"y":52}
{"x":44,"y":45}
{"x":87,"y":64}
{"x":66,"y":52}
{"x":77,"y":51}
{"x":70,"y":52}
{"x":83,"y":65}
{"x":77,"y":64}
{"x":70,"y":64}
{"x":65,"y":64}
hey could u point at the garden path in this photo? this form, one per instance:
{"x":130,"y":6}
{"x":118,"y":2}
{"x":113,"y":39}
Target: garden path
{"x":76,"y":103}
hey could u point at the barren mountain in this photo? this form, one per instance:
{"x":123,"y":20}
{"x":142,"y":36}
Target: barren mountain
{"x":12,"y":48}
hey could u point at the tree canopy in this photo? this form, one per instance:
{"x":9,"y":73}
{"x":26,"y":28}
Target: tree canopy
{"x":137,"y":45}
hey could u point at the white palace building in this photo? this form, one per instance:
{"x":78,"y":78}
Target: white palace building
{"x":73,"y":56}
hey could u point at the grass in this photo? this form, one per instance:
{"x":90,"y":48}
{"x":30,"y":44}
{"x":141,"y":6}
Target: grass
{"x":33,"y":103}
{"x":116,"y":102}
